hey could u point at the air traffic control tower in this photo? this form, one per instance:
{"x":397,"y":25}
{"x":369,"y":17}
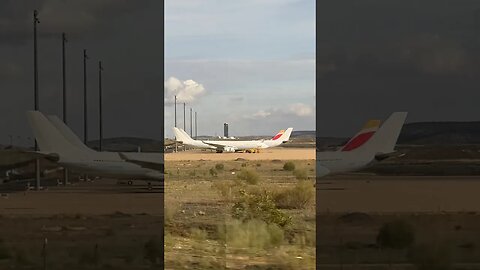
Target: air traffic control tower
{"x":225,"y":130}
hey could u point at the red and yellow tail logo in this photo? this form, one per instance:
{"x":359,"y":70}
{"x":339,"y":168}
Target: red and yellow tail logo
{"x":363,"y":136}
{"x":279,"y":134}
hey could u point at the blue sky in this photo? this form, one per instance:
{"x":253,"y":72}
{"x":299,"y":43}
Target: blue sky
{"x":250,"y":63}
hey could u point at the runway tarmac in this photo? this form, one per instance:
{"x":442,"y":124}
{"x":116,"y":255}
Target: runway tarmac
{"x":392,"y":194}
{"x":279,"y":153}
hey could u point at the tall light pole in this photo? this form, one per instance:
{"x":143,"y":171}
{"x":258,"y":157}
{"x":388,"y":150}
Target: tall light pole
{"x":191,"y":123}
{"x":184,"y":122}
{"x":85,"y":115}
{"x":175,"y":111}
{"x":176,"y":145}
{"x":196,"y":126}
{"x":64,"y":40}
{"x":100,"y":116}
{"x":35,"y":91}
{"x":64,"y":88}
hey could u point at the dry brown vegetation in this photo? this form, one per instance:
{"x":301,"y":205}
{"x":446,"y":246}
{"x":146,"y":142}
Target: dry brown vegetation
{"x":229,"y":221}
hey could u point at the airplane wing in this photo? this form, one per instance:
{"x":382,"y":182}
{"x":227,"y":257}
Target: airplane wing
{"x":221,"y":147}
{"x":380,"y":157}
{"x":38,"y":154}
{"x":218,"y":146}
{"x":144,"y":164}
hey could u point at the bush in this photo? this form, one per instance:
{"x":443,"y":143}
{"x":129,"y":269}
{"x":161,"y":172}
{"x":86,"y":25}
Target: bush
{"x":431,"y":257}
{"x":213,"y":172}
{"x":300,"y":174}
{"x":396,"y":235}
{"x":259,"y":206}
{"x":153,"y":250}
{"x":289,"y":166}
{"x":219,"y":166}
{"x":296,"y":198}
{"x":198,"y":234}
{"x":4,"y":251}
{"x":253,"y":234}
{"x":248,"y":176}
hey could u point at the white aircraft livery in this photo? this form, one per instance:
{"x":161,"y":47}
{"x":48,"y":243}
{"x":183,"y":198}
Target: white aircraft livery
{"x":232,"y":146}
{"x":373,"y":144}
{"x":58,"y":143}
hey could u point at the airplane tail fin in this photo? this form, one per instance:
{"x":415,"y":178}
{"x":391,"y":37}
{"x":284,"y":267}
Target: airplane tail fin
{"x":68,"y":133}
{"x":285,"y":136}
{"x":362,"y":136}
{"x":385,"y":139}
{"x":181,"y":135}
{"x":49,"y":138}
{"x":278,"y":135}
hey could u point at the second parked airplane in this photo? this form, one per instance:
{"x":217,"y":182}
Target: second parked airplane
{"x":232,"y":146}
{"x":363,"y":149}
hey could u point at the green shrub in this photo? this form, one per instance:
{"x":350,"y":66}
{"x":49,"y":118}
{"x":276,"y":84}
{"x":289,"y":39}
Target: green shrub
{"x":226,"y":188}
{"x":213,"y":172}
{"x":289,"y":166}
{"x":300,"y":174}
{"x":153,"y":250}
{"x":4,"y":251}
{"x":198,"y":234}
{"x":253,"y":234}
{"x":219,"y":166}
{"x":248,"y":176}
{"x":296,"y":198}
{"x":259,"y":206}
{"x":396,"y":234}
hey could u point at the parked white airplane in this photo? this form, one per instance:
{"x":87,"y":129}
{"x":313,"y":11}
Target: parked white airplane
{"x":363,"y":149}
{"x":232,"y":146}
{"x":58,"y":143}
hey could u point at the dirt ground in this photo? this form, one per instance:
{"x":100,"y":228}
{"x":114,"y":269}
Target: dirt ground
{"x":87,"y":225}
{"x":93,"y":198}
{"x":393,"y":194}
{"x":278,"y":153}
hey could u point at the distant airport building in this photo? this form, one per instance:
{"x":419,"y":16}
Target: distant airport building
{"x":225,"y":130}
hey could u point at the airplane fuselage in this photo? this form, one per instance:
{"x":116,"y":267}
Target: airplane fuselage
{"x":108,"y":164}
{"x":336,"y":162}
{"x":235,"y":145}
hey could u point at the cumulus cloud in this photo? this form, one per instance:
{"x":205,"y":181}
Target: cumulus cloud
{"x":296,"y":109}
{"x":261,"y":114}
{"x":186,"y":91}
{"x":300,"y":109}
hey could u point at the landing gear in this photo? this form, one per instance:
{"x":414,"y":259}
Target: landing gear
{"x":149,"y":186}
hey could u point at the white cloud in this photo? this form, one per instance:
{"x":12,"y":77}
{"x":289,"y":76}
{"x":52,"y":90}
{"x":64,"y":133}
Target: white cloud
{"x":186,"y":91}
{"x":300,"y":109}
{"x":261,"y":114}
{"x":296,"y":109}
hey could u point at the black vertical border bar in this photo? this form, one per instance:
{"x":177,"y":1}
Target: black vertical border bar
{"x":317,"y":135}
{"x":162,"y":124}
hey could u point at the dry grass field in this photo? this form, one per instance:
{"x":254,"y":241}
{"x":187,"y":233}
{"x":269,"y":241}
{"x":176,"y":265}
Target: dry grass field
{"x":223,"y":213}
{"x":89,"y":225}
{"x":442,"y":212}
